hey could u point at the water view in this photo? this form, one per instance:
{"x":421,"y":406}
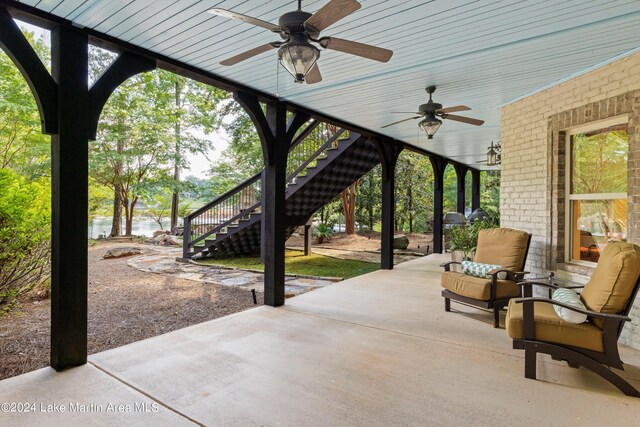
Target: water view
{"x":141,"y":227}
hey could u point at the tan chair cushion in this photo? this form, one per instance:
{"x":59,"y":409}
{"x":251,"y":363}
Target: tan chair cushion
{"x":502,"y":246}
{"x":551,"y":328}
{"x":613,"y":280}
{"x":476,"y":287}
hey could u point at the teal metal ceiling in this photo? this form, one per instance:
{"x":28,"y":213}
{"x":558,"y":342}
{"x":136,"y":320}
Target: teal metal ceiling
{"x":480,"y":53}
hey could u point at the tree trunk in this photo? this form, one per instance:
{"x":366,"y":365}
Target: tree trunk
{"x":129,"y":216}
{"x":116,"y":224}
{"x":348,"y":197}
{"x":410,"y":197}
{"x":175,"y":199}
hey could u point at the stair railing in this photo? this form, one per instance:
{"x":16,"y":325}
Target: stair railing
{"x":238,"y":203}
{"x":244,"y":200}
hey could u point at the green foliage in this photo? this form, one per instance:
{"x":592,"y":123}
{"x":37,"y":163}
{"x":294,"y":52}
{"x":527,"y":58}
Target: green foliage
{"x":414,"y":193}
{"x":323,"y":231}
{"x":465,"y":237}
{"x":25,"y":234}
{"x":599,"y":162}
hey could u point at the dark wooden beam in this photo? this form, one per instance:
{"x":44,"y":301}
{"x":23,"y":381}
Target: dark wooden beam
{"x":276,"y":134}
{"x":438,"y":165}
{"x":42,"y":85}
{"x":475,"y":189}
{"x":461,"y":174}
{"x":69,"y":177}
{"x":124,"y":67}
{"x":388,"y":153}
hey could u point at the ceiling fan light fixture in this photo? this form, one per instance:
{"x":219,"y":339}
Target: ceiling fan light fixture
{"x":430,"y":126}
{"x":298,"y":57}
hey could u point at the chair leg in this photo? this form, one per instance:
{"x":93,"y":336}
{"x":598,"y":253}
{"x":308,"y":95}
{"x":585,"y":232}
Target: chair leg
{"x":447,"y":304}
{"x":529,"y":362}
{"x":496,"y":316}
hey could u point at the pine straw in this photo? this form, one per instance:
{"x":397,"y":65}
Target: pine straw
{"x":125,"y":305}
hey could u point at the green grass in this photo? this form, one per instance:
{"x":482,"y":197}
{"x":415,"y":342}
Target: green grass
{"x":312,"y":265}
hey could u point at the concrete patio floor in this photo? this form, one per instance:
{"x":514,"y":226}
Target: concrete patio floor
{"x":374,"y":350}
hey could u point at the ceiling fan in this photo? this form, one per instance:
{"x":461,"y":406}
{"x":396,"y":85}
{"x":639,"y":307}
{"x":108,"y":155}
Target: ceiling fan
{"x":298,"y":29}
{"x":431,"y":111}
{"x":494,"y":155}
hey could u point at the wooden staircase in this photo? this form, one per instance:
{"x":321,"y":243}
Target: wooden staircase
{"x":322,"y":163}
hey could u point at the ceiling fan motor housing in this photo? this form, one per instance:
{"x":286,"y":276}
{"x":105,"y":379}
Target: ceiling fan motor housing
{"x":293,"y":23}
{"x":429,"y":107}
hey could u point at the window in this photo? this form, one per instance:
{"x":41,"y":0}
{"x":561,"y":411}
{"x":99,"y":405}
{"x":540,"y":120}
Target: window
{"x":597,"y":189}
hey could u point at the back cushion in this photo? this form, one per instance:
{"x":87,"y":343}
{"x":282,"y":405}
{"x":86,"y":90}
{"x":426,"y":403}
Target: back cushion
{"x":613,"y":280}
{"x":502,"y":246}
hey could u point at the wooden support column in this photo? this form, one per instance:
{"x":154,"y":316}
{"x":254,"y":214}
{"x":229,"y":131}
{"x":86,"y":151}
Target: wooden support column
{"x":69,"y":111}
{"x":69,"y":179}
{"x":439,"y":165}
{"x":388,"y":153}
{"x":276,"y":135}
{"x":461,"y":174}
{"x":475,"y":189}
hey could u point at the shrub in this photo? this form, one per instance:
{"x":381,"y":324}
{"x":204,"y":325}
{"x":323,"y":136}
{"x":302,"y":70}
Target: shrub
{"x":25,"y":235}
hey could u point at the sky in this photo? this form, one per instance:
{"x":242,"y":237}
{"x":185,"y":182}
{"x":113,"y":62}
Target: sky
{"x":199,"y":165}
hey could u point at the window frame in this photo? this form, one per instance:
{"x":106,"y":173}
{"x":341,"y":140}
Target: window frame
{"x":569,"y":197}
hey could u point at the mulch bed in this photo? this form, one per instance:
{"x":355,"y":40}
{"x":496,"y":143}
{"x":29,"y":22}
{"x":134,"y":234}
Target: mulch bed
{"x":125,"y":305}
{"x":367,"y":241}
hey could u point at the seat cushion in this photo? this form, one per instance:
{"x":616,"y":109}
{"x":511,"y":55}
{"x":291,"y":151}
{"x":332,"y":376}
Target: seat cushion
{"x":502,"y":246}
{"x":613,"y":280}
{"x":551,"y":328}
{"x":477,"y":287}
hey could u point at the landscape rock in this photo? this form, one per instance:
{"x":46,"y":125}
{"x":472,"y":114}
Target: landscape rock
{"x":400,"y":241}
{"x":121,"y":252}
{"x":160,"y":233}
{"x":167,"y":240}
{"x":172,"y":240}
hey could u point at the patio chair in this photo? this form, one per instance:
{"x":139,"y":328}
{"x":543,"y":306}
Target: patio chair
{"x":608,"y":296}
{"x":502,"y":247}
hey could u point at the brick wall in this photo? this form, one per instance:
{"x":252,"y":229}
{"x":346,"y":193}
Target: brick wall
{"x":533,"y":160}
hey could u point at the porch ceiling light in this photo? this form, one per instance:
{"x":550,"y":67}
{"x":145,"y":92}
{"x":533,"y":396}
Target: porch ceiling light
{"x":493,"y":155}
{"x":297,"y":56}
{"x":430,"y":125}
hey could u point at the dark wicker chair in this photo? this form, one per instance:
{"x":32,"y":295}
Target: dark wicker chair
{"x":608,"y":297}
{"x":505,"y":247}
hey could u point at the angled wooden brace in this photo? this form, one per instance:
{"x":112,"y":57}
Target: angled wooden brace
{"x":42,"y":84}
{"x":125,"y":66}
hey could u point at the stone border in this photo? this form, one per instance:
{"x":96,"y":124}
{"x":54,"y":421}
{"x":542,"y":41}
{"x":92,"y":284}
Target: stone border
{"x":251,"y":270}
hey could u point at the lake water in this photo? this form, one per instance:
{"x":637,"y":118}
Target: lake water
{"x":141,"y":227}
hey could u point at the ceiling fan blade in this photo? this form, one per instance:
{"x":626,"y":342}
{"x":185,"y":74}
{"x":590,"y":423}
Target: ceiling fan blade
{"x":244,"y":18}
{"x":408,"y":112}
{"x":248,"y":54}
{"x":331,"y":13}
{"x":453,"y":109}
{"x":462,"y":119}
{"x":355,"y":48}
{"x":400,"y":121}
{"x":313,"y":76}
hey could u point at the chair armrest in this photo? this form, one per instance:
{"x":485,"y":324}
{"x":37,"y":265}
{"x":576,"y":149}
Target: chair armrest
{"x":603,"y":316}
{"x":549,"y":285}
{"x":447,"y":265}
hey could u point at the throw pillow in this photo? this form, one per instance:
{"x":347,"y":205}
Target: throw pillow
{"x":569,"y":297}
{"x":478,"y":269}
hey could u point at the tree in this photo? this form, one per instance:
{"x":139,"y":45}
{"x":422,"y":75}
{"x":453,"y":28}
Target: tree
{"x":133,"y":147}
